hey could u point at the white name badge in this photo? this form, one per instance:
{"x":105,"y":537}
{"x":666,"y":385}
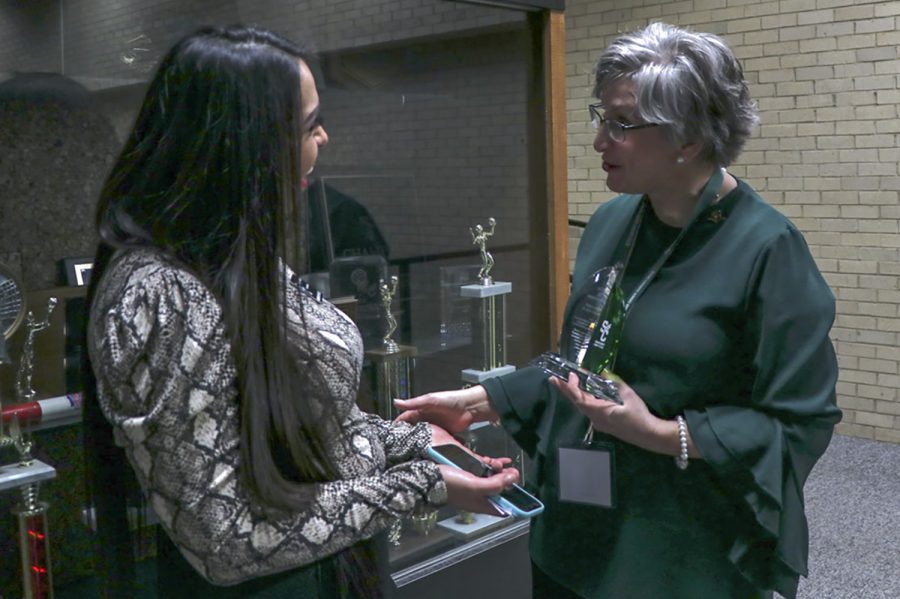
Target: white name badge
{"x":586,"y":475}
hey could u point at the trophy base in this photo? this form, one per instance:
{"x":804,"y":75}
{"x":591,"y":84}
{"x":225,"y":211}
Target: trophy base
{"x":15,"y":475}
{"x":595,"y":384}
{"x":467,"y":529}
{"x":475,"y":377}
{"x":480,"y":290}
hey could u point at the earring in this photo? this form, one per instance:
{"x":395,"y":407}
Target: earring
{"x":680,"y":160}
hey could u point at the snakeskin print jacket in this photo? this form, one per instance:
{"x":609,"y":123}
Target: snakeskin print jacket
{"x":166,"y":382}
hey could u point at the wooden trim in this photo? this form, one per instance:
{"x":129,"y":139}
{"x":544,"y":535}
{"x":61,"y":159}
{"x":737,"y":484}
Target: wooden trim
{"x":554,"y":44}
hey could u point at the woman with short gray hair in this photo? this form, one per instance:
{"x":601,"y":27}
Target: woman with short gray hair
{"x":717,"y":332}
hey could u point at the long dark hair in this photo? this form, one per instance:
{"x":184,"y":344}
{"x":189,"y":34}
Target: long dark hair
{"x":211,"y":176}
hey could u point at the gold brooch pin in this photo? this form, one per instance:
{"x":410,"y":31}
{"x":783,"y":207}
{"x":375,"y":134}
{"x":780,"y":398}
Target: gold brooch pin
{"x":716,"y":217}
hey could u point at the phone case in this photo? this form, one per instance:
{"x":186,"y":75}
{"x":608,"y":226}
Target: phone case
{"x":502,"y":504}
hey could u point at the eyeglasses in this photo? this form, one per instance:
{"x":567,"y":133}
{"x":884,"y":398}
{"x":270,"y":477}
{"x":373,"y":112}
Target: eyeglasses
{"x":615,"y":129}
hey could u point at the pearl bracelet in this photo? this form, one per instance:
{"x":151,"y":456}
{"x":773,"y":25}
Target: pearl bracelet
{"x":681,"y":460}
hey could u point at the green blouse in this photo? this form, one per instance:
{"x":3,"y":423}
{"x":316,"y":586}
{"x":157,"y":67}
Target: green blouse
{"x":732,"y":333}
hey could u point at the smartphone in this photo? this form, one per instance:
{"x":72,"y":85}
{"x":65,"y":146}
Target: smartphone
{"x":514,"y":501}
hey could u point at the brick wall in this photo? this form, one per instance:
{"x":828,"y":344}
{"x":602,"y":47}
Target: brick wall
{"x":826,"y":74}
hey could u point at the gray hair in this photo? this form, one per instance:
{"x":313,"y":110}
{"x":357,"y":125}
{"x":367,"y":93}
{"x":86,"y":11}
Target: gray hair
{"x":689,"y":81}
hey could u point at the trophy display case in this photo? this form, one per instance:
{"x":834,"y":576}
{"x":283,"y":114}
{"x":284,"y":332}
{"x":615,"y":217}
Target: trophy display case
{"x":437,"y":118}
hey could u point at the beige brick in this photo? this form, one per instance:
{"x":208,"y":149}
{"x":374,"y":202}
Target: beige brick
{"x":762,"y":38}
{"x":779,"y":21}
{"x":745,"y":24}
{"x":835,"y":29}
{"x":798,"y":5}
{"x":889,"y":404}
{"x":859,"y":294}
{"x":888,"y":295}
{"x":815,"y":129}
{"x":874,"y":141}
{"x":819,"y":211}
{"x":843,"y":57}
{"x":890,"y":38}
{"x":878,"y":282}
{"x":887,"y":435}
{"x":885,"y":9}
{"x":885,"y":366}
{"x":823,"y":44}
{"x":815,"y":73}
{"x":854,"y":430}
{"x":865,"y":40}
{"x":854,"y":13}
{"x":887,"y":67}
{"x":875,"y":112}
{"x":789,"y":61}
{"x":869,"y":169}
{"x":874,"y":82}
{"x":856,"y":403}
{"x":888,"y":353}
{"x":761,"y":64}
{"x":857,"y":349}
{"x":855,"y":99}
{"x":881,"y":255}
{"x":853,"y":70}
{"x":889,"y":268}
{"x":841,"y":225}
{"x":874,"y":25}
{"x":770,"y":105}
{"x":876,"y":53}
{"x":872,"y":419}
{"x":756,"y":8}
{"x":815,"y":16}
{"x":885,"y":399}
{"x":878,"y":226}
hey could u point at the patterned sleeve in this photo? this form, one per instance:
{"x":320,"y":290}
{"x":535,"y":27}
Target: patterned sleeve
{"x":166,"y":383}
{"x":401,"y":441}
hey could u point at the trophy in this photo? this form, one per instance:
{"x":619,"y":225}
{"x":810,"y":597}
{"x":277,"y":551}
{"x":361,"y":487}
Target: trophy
{"x":393,"y":362}
{"x":591,"y":336}
{"x":26,"y":366}
{"x":488,"y":327}
{"x":27,"y":474}
{"x":490,"y":317}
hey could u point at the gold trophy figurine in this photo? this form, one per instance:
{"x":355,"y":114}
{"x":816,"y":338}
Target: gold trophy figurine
{"x":387,"y":298}
{"x":479,"y":238}
{"x":26,"y":366}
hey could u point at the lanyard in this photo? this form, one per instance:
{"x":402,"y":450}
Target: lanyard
{"x":707,"y":196}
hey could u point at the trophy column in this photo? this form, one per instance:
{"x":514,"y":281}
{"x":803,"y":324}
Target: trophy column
{"x":489,"y":329}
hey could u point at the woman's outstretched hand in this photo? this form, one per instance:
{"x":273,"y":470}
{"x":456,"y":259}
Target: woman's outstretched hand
{"x":452,"y":410}
{"x":469,"y":492}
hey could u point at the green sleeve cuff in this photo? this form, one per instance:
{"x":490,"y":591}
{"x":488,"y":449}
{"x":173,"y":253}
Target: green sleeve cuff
{"x":520,"y":398}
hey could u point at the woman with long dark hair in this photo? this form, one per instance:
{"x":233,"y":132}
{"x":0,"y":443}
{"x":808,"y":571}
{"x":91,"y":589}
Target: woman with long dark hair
{"x":230,"y":385}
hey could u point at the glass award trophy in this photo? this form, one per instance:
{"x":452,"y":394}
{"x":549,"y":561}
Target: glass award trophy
{"x":591,"y":336}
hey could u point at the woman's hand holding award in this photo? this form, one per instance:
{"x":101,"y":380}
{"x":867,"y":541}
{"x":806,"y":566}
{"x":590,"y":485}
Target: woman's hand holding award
{"x":591,"y":336}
